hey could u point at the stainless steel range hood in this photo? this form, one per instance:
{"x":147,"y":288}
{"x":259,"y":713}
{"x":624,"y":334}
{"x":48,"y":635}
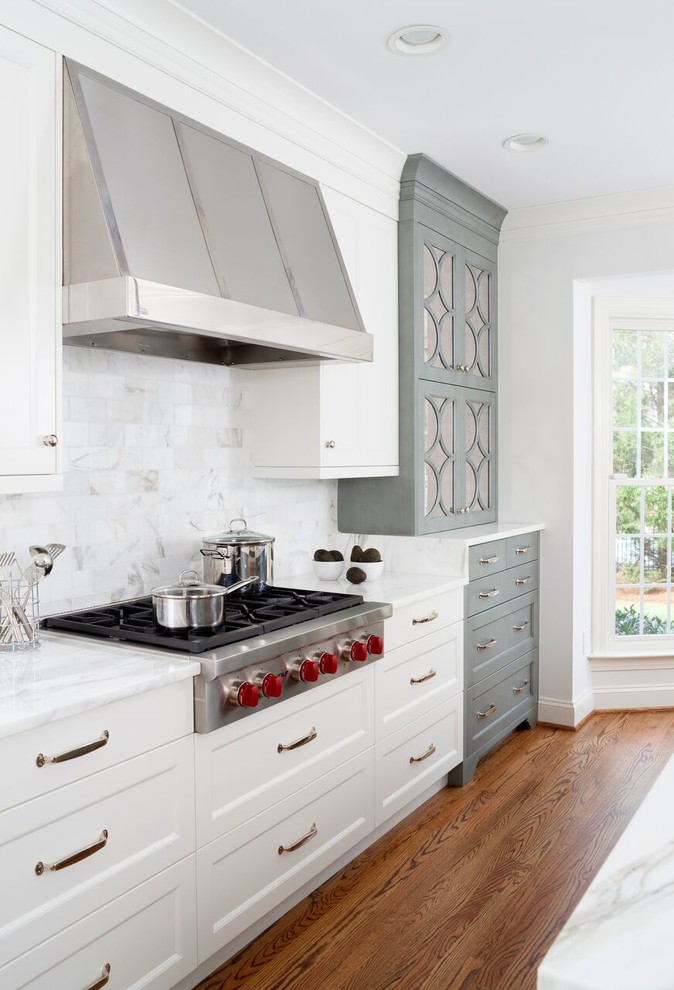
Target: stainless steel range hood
{"x":182,"y":243}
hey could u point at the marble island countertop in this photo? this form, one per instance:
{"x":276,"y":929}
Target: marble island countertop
{"x":67,"y":674}
{"x":620,"y":935}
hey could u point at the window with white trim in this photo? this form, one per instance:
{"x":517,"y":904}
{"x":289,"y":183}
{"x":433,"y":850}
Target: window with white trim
{"x":633,"y":568}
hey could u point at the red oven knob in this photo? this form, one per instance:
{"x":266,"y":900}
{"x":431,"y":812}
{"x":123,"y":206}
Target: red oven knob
{"x":328,"y":663}
{"x":375,"y":645}
{"x":245,"y":695}
{"x":272,"y":686}
{"x":306,"y":671}
{"x":357,"y":651}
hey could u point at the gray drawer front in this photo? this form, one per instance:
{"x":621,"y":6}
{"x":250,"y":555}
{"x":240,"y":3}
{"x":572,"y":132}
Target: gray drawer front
{"x":498,"y":703}
{"x":500,"y":635}
{"x":486,"y":558}
{"x":520,"y":549}
{"x":495,"y":589}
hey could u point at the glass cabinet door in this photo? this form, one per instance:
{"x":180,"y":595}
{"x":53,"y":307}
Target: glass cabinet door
{"x":457,"y":454}
{"x":456,"y":314}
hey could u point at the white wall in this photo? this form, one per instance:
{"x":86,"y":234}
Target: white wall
{"x":546,"y":257}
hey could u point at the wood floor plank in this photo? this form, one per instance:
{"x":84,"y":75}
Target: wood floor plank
{"x":469,"y":892}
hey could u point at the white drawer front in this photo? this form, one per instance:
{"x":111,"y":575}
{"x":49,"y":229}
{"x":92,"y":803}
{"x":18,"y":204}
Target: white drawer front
{"x":241,"y":772}
{"x":414,"y":758}
{"x":146,"y":807}
{"x":242,"y":875}
{"x":134,"y":725}
{"x":147,"y":937}
{"x":418,"y":677}
{"x":411,"y":622}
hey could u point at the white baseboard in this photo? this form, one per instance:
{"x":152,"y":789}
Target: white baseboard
{"x":568,"y":714}
{"x":633,"y":697}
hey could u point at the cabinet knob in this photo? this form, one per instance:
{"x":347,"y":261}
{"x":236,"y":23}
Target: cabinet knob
{"x":330,"y":444}
{"x":50,"y":441}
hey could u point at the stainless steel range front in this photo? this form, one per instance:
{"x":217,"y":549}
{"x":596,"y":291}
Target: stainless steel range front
{"x":275,"y":644}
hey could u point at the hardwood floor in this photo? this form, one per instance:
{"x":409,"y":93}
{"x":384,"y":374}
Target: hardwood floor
{"x":469,"y":892}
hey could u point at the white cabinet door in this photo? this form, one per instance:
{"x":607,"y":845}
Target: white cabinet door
{"x":29,"y":259}
{"x":339,"y":420}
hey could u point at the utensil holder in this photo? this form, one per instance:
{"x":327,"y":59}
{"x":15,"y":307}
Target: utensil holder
{"x":19,"y":615}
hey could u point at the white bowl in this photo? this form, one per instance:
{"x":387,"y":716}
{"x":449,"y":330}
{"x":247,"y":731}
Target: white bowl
{"x":373,"y":570}
{"x":328,"y":570}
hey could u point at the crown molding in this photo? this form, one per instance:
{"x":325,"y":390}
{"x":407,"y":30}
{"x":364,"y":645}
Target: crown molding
{"x":599,"y":213}
{"x":165,"y":37}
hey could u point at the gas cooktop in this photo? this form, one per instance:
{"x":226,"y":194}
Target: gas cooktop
{"x":247,"y":614}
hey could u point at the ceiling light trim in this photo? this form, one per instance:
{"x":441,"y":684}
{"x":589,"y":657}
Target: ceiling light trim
{"x":417,"y":39}
{"x":526,"y":142}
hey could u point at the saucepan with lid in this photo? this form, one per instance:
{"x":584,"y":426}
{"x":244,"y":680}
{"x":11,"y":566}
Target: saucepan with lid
{"x":236,"y":554}
{"x":191,"y":605}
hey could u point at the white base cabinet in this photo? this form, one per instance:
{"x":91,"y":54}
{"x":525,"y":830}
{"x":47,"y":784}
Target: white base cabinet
{"x":97,"y":851}
{"x":30,"y":276}
{"x":147,"y":938}
{"x":269,"y":819}
{"x":249,"y":870}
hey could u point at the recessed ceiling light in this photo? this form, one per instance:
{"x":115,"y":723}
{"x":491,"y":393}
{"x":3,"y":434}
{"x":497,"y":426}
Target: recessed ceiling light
{"x":525,"y":142}
{"x":417,"y":39}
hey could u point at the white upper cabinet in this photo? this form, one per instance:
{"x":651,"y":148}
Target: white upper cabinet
{"x":29,"y":266}
{"x":339,"y":420}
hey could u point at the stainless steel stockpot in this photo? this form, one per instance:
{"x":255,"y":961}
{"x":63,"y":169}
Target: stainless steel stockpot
{"x":190,"y":604}
{"x":236,"y":554}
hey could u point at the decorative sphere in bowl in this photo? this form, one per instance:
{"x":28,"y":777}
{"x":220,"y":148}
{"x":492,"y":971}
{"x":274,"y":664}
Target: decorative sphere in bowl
{"x":328,"y":570}
{"x":374,"y":569}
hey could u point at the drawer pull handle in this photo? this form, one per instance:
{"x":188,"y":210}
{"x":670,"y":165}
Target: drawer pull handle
{"x":75,"y":858}
{"x":520,"y":628}
{"x":427,"y":677}
{"x":489,"y":594}
{"x":490,"y":711}
{"x":73,"y":754}
{"x":524,"y":580}
{"x":518,"y":690}
{"x":310,"y":736}
{"x":522,"y":549}
{"x":424,"y":756}
{"x":105,"y":978}
{"x":487,"y":646}
{"x":300,"y":842}
{"x":488,"y":560}
{"x":427,"y":618}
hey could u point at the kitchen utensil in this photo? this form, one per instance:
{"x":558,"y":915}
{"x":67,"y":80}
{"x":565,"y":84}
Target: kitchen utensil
{"x":191,"y":604}
{"x":41,"y":565}
{"x":55,"y":549}
{"x":236,"y":554}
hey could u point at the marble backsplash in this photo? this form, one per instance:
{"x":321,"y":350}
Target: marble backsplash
{"x":156,"y":456}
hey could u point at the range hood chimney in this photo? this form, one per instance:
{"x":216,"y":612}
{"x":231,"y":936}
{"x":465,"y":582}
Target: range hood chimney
{"x":182,"y":243}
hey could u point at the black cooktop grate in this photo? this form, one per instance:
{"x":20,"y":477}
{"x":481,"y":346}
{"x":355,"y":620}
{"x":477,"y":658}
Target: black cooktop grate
{"x":246,"y":615}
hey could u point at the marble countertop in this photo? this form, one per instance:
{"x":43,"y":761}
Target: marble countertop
{"x":620,"y":935}
{"x":67,"y":674}
{"x":398,"y":589}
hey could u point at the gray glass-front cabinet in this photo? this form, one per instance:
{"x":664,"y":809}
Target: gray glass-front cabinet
{"x":448,"y":234}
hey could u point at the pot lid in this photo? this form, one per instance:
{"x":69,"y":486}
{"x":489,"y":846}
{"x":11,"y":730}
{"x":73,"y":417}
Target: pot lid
{"x":238,"y":535}
{"x":189,"y":585}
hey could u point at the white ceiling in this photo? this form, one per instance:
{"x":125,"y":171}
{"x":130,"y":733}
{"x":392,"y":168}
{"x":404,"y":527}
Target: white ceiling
{"x":595,"y":76}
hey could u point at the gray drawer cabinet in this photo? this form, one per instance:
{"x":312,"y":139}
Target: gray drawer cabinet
{"x":447,"y":246}
{"x":500,"y":646}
